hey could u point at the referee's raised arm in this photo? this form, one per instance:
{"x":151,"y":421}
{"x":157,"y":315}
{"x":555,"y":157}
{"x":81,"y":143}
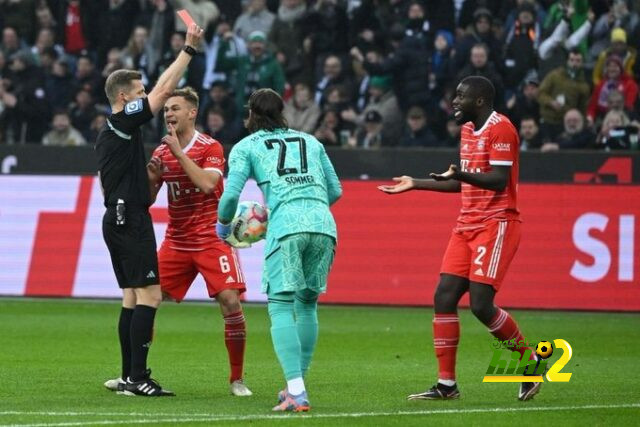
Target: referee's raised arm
{"x":168,"y":80}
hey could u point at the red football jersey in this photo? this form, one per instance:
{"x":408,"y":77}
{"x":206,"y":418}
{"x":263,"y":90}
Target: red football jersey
{"x":495,"y":144}
{"x":192,"y":214}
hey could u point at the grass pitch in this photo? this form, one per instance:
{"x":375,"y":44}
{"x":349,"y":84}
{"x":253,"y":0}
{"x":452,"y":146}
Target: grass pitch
{"x":55,"y":355}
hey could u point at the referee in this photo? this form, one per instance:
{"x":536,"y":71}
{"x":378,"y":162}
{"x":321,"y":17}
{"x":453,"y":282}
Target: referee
{"x":126,"y":225}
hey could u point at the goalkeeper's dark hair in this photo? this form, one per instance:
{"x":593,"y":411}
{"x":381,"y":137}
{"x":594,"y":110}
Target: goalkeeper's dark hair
{"x":266,"y":108}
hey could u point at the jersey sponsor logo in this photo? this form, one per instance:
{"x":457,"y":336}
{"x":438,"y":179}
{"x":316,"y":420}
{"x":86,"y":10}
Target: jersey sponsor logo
{"x":501,"y":146}
{"x":214,"y":159}
{"x":133,"y":107}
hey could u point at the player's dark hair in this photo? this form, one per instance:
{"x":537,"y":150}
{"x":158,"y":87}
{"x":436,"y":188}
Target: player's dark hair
{"x":266,"y":108}
{"x":481,"y":87}
{"x":120,"y":81}
{"x":188,"y":94}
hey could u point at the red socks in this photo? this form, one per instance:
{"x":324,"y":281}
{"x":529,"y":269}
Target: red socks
{"x":446,"y":333}
{"x":504,"y":328}
{"x":235,"y":339}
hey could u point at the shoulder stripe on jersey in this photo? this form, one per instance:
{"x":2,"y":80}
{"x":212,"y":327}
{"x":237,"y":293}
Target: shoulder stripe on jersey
{"x":118,"y":132}
{"x":215,"y":170}
{"x":501,"y":162}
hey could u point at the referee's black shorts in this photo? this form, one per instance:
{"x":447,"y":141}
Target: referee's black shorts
{"x":132,"y":247}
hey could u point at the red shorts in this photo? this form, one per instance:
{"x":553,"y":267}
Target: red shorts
{"x":482,"y":255}
{"x":218,"y":265}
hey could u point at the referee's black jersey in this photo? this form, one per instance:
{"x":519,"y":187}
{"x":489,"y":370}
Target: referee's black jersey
{"x":121,"y":157}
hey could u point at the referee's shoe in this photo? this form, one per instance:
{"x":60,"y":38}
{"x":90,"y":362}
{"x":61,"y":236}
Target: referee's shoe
{"x":145,"y":387}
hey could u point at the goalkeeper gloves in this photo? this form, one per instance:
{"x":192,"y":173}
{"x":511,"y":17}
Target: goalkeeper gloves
{"x":224,"y":232}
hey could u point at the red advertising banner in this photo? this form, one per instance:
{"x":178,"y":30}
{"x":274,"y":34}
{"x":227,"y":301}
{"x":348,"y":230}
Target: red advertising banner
{"x":578,"y":247}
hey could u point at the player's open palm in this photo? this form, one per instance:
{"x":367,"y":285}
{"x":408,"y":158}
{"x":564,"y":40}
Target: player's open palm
{"x":403,"y":183}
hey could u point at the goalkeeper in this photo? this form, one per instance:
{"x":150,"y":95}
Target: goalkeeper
{"x":299,"y":184}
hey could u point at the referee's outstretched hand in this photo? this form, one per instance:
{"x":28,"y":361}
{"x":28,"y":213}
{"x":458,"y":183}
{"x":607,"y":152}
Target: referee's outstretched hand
{"x":194,"y":35}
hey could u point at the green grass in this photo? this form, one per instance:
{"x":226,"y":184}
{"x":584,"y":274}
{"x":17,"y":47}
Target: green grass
{"x":55,"y":355}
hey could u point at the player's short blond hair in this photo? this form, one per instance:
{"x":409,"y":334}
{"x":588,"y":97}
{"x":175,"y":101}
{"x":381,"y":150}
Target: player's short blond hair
{"x":119,"y":81}
{"x":188,"y":94}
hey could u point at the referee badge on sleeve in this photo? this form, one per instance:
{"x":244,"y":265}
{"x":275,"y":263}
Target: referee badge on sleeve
{"x":133,"y":107}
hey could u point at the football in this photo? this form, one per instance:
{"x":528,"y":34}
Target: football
{"x":544,"y":349}
{"x":249,"y":224}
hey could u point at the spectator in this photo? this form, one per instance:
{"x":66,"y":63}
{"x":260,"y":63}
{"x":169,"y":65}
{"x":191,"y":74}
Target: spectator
{"x":367,"y":29}
{"x":333,"y":76}
{"x":20,"y":14}
{"x":480,"y":32}
{"x":25,"y":101}
{"x":195,"y":70}
{"x":329,"y":128}
{"x":574,"y":13}
{"x":615,"y":80}
{"x":408,"y":63}
{"x":618,"y":48}
{"x":161,"y":26}
{"x":441,"y":66}
{"x":98,"y":122}
{"x":82,"y":113}
{"x":618,"y":17}
{"x":453,"y":132}
{"x":300,"y":111}
{"x":286,"y":37}
{"x":383,"y":100}
{"x":59,"y":85}
{"x":370,"y":134}
{"x":616,"y":132}
{"x":115,"y":25}
{"x":258,"y":69}
{"x":114,"y":62}
{"x":139,"y":55}
{"x":565,"y":37}
{"x":530,"y":138}
{"x":11,"y":43}
{"x":255,"y":18}
{"x":62,"y":133}
{"x":479,"y":65}
{"x":563,"y":89}
{"x":45,"y":40}
{"x":525,"y":101}
{"x":234,"y":47}
{"x":574,"y":136}
{"x":521,"y":46}
{"x":417,"y":132}
{"x":325,"y":31}
{"x":218,"y":128}
{"x":218,"y":98}
{"x":88,"y":78}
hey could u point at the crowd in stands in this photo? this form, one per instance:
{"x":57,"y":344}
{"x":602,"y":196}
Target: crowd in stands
{"x":354,"y":73}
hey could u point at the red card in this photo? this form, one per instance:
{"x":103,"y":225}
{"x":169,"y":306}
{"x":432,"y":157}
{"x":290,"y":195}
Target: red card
{"x":186,"y":18}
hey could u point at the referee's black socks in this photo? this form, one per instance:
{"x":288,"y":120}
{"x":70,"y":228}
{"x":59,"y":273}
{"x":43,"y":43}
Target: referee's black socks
{"x":124,"y":333}
{"x":141,"y":335}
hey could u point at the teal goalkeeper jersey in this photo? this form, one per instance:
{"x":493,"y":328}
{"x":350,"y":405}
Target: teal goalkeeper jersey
{"x":295,"y":175}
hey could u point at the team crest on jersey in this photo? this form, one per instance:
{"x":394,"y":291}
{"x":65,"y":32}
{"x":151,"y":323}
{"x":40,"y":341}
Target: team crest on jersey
{"x":481,"y":144}
{"x":133,"y":107}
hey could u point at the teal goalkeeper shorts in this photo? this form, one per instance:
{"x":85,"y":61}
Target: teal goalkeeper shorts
{"x":298,"y":261}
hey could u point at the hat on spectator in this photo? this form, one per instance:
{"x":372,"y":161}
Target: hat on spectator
{"x":257,"y":36}
{"x":380,"y":82}
{"x":482,"y":12}
{"x":618,"y":35}
{"x":372,"y":116}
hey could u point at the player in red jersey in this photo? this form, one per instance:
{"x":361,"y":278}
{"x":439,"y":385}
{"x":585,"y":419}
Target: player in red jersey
{"x":192,"y":166}
{"x":486,"y":235}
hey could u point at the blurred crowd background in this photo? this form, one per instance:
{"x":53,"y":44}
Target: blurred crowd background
{"x":355,"y":73}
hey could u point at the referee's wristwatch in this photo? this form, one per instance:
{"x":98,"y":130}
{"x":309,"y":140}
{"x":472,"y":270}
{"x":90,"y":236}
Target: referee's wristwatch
{"x":189,"y":50}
